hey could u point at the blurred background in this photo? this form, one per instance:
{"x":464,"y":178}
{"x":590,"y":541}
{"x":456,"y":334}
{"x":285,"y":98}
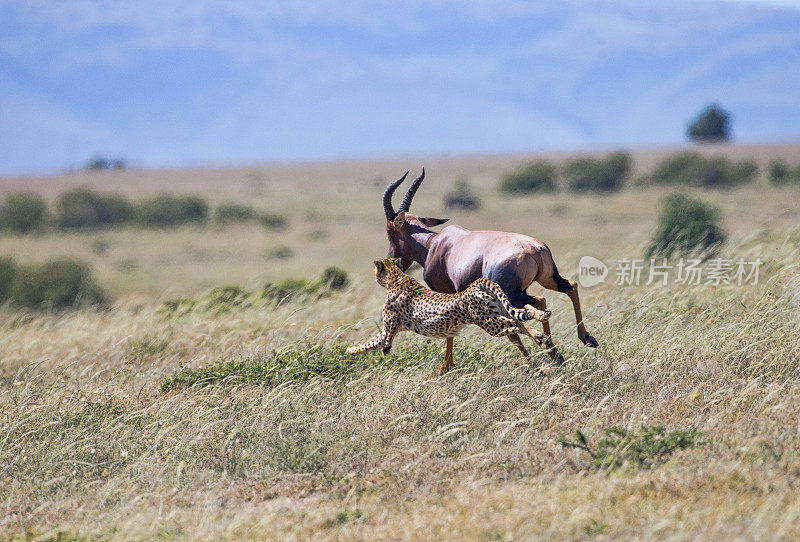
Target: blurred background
{"x":173,"y":146}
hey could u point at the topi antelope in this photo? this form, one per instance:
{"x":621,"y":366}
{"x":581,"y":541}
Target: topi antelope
{"x":455,"y":257}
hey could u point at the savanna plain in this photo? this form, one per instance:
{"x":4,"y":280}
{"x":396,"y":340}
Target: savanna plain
{"x":171,"y":413}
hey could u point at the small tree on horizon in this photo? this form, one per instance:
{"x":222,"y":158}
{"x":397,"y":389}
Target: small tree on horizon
{"x":712,"y":125}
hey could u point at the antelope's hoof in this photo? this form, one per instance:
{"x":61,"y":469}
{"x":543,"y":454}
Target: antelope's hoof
{"x":556,"y":356}
{"x":590,"y":341}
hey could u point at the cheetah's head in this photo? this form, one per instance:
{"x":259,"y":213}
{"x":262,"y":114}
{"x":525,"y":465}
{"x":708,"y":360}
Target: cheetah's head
{"x":388,"y":271}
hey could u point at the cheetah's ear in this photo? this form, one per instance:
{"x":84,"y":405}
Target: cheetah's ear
{"x":378,"y":265}
{"x":397,"y":261}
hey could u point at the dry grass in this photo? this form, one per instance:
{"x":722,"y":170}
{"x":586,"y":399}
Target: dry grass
{"x":335,"y":218}
{"x":90,"y":447}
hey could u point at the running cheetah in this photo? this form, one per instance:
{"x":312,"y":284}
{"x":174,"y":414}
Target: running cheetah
{"x":412,"y":307}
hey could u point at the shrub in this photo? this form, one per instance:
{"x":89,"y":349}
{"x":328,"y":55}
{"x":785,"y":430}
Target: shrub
{"x":273,"y":221}
{"x":597,"y":175}
{"x":281,"y":252}
{"x":8,"y":271}
{"x":84,"y":208}
{"x":778,"y":172}
{"x":781,"y":173}
{"x":224,"y":298}
{"x":167,"y":210}
{"x":692,"y":169}
{"x":101,"y":163}
{"x":335,"y":278}
{"x":289,"y":289}
{"x":226,"y":213}
{"x":177,"y":306}
{"x":686,"y":224}
{"x":682,"y":168}
{"x":649,"y":447}
{"x":721,"y":172}
{"x":56,"y":284}
{"x":711,"y":125}
{"x":538,"y":176}
{"x":462,"y":197}
{"x":23,"y":212}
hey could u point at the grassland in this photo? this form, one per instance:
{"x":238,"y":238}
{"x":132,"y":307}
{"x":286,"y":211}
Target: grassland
{"x":247,"y":421}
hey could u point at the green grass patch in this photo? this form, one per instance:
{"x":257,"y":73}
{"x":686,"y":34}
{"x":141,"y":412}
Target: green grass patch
{"x":232,"y":296}
{"x":343,"y":517}
{"x":646,"y":448}
{"x":305,"y":362}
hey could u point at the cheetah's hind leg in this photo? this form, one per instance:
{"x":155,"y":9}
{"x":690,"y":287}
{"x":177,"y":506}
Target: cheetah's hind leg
{"x":525,"y":329}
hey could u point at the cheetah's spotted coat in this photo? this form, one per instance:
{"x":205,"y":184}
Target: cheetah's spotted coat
{"x":410,"y":306}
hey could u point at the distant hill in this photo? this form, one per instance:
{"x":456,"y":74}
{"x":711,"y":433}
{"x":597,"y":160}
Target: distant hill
{"x":236,"y":83}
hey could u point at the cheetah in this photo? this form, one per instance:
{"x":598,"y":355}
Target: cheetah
{"x":410,"y":306}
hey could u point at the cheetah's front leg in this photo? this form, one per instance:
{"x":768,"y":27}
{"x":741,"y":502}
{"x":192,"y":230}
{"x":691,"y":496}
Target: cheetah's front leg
{"x":382,"y":340}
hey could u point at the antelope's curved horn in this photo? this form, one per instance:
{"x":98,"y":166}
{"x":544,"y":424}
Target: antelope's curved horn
{"x":387,"y":197}
{"x":406,"y":204}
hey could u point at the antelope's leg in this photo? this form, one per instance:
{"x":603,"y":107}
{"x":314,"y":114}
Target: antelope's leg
{"x":570,"y":287}
{"x":448,"y":356}
{"x":541,"y":304}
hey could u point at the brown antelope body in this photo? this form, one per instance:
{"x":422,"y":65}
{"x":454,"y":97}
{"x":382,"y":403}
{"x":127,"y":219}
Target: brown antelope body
{"x":455,"y":257}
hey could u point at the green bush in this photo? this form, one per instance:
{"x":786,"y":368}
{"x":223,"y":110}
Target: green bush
{"x":225,"y":298}
{"x":167,"y":210}
{"x":281,"y":252}
{"x":228,"y":212}
{"x":721,"y":172}
{"x":686,"y":224}
{"x":23,"y":212}
{"x":56,"y":284}
{"x":683,"y":168}
{"x":8,"y":271}
{"x":462,"y":197}
{"x":538,"y":176}
{"x":711,"y":125}
{"x":335,"y":278}
{"x":647,"y":448}
{"x":778,"y":172}
{"x":101,"y":163}
{"x":692,"y":169}
{"x":597,"y":175}
{"x":273,"y":221}
{"x":177,"y":306}
{"x":781,"y":173}
{"x":289,"y":289}
{"x":84,"y":208}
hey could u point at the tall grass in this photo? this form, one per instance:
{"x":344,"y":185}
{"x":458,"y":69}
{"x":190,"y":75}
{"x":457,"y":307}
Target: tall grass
{"x":267,"y":430}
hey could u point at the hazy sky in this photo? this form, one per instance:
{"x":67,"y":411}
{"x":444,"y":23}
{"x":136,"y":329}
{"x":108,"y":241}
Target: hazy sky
{"x":164,"y":83}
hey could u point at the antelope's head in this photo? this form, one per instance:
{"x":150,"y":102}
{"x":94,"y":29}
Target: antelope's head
{"x":401,"y":225}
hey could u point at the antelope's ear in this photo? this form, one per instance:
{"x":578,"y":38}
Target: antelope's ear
{"x":431,"y":222}
{"x":399,"y":220}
